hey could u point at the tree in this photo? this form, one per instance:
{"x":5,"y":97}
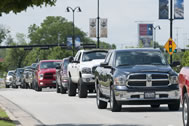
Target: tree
{"x":15,"y":57}
{"x":6,"y":6}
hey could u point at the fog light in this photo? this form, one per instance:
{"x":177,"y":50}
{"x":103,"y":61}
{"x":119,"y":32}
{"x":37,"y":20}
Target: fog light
{"x":41,"y":83}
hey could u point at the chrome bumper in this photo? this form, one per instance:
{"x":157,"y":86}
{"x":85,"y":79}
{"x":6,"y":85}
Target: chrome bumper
{"x":127,"y":95}
{"x":88,"y":78}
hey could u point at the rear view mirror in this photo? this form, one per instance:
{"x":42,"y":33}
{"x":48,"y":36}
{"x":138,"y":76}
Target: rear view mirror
{"x":58,"y":66}
{"x":175,"y":64}
{"x":70,"y":59}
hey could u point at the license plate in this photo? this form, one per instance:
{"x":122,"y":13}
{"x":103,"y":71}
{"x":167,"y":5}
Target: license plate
{"x":149,"y":95}
{"x":53,"y":82}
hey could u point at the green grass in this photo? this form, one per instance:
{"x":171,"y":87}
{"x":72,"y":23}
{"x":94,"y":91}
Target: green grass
{"x":4,"y":119}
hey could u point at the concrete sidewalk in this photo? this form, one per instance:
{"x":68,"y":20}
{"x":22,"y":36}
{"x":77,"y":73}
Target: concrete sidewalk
{"x":17,"y":114}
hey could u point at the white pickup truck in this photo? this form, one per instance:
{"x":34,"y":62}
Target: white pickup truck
{"x":80,"y":71}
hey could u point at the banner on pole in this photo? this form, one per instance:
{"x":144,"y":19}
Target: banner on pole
{"x":179,"y":9}
{"x":69,"y":42}
{"x":103,"y":27}
{"x":163,"y":9}
{"x":77,"y":42}
{"x":146,"y":34}
{"x":92,"y":27}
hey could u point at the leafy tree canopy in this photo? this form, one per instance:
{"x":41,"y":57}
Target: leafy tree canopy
{"x":6,"y":6}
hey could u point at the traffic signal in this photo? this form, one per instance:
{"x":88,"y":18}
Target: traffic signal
{"x":170,"y":46}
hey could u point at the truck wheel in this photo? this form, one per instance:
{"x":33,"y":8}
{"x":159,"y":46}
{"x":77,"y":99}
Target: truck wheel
{"x":100,"y":104}
{"x":82,"y":89}
{"x":37,"y":88}
{"x":185,"y":110}
{"x":57,"y":88}
{"x":71,"y":88}
{"x":114,"y":106}
{"x":62,"y":90}
{"x":155,"y":106}
{"x":174,"y":107}
{"x":7,"y":86}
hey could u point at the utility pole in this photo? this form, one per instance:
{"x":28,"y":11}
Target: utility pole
{"x":98,"y":25}
{"x":171,"y":24}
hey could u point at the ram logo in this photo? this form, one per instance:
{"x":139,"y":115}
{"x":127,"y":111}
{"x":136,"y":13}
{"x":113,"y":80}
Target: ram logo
{"x":148,"y":80}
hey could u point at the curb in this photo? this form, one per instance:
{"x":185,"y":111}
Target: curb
{"x":19,"y":116}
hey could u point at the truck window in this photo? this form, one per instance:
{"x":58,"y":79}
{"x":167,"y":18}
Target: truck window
{"x":46,"y":65}
{"x":108,"y":58}
{"x":88,"y":56}
{"x":140,"y":58}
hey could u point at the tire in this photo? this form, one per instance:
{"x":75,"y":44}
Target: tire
{"x":82,"y":89}
{"x":57,"y":88}
{"x":100,"y":104}
{"x":185,"y":110}
{"x":114,"y":106}
{"x":71,"y":88}
{"x":7,"y":86}
{"x":37,"y":88}
{"x":155,"y":106}
{"x":62,"y":90}
{"x":174,"y":107}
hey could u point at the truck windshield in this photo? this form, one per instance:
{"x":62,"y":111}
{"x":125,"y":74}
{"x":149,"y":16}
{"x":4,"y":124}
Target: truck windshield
{"x":140,"y":58}
{"x":88,"y":56}
{"x":46,"y":65}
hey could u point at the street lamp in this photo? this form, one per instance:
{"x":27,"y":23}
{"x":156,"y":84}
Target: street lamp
{"x":73,"y":34}
{"x":154,"y":31}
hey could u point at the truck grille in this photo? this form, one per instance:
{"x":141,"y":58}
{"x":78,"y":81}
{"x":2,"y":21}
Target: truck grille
{"x":48,"y":76}
{"x":148,"y":80}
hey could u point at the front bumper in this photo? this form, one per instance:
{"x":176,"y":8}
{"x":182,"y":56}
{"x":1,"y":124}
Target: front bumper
{"x":88,"y":78}
{"x":47,"y":83}
{"x":163,"y":95}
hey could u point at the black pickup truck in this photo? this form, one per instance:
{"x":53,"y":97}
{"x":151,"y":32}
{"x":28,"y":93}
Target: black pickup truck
{"x":136,"y":77}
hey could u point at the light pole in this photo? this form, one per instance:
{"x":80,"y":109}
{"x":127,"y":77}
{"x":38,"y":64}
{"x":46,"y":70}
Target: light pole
{"x":73,"y":34}
{"x":98,"y":25}
{"x":154,"y":29}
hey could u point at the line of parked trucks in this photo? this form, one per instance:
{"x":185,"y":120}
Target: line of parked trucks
{"x":119,"y":77}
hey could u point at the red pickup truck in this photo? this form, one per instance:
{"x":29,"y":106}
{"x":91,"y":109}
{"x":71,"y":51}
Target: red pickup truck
{"x":45,"y":74}
{"x":184,"y":91}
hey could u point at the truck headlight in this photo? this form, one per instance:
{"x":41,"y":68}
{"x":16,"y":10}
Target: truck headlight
{"x":40,"y":76}
{"x":86,"y":70}
{"x":120,"y":80}
{"x":173,"y":79}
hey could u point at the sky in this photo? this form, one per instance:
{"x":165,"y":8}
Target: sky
{"x":123,"y":19}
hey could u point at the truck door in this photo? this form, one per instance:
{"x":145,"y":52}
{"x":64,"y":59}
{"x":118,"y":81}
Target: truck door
{"x":105,"y":71}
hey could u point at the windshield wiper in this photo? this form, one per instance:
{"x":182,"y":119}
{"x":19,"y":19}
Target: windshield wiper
{"x":124,"y":64}
{"x":157,"y":64}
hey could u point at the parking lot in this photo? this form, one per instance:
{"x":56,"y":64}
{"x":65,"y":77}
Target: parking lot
{"x":52,"y":109}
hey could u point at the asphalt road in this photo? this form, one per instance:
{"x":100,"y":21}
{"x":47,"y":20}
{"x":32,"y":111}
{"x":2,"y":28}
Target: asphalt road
{"x":54,"y":109}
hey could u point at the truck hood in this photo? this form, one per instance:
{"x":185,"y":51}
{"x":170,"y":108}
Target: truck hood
{"x":49,"y":70}
{"x":91,"y":63}
{"x":146,"y":69}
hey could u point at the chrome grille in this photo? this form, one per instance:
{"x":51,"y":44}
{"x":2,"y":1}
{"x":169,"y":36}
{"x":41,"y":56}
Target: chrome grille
{"x":48,"y":76}
{"x":148,"y":80}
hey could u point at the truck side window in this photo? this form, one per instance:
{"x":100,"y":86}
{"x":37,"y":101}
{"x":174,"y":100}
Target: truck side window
{"x":108,"y":57}
{"x":79,"y":57}
{"x":111,"y":60}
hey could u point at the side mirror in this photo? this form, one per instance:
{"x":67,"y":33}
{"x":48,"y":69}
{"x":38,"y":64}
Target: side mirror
{"x":70,"y":59}
{"x":58,"y":66}
{"x":103,"y":64}
{"x":175,"y":64}
{"x":75,"y":62}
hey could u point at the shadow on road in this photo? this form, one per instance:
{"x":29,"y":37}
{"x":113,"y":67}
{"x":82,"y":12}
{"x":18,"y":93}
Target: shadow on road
{"x":146,"y":109}
{"x":91,"y":125}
